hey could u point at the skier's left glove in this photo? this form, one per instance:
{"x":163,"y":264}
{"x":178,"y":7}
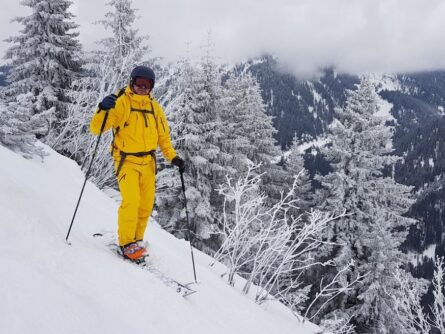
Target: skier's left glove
{"x":180,"y":163}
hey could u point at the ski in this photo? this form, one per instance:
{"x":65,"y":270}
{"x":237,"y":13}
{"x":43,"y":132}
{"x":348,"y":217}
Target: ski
{"x":184,"y":289}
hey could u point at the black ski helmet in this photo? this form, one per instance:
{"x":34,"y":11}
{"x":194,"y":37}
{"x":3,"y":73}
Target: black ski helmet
{"x":143,"y":72}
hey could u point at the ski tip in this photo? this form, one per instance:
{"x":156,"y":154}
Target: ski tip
{"x":97,"y":235}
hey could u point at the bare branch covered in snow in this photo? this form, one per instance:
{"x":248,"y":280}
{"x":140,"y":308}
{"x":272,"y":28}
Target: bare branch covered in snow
{"x":269,"y":247}
{"x":408,"y":306}
{"x":332,"y":290}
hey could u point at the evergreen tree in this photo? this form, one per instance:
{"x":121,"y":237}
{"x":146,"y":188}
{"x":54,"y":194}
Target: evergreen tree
{"x":45,"y":60}
{"x":248,"y":130}
{"x":118,"y":54}
{"x":18,"y":127}
{"x":248,"y":133}
{"x":111,"y":66}
{"x":257,"y":125}
{"x":107,"y":70}
{"x":220,"y":130}
{"x":294,"y":165}
{"x":374,"y":228}
{"x":194,"y":116}
{"x":171,"y":214}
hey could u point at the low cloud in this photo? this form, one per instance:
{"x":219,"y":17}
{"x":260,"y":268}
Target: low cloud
{"x":354,"y":36}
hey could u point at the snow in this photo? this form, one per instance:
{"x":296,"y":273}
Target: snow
{"x":430,"y":252}
{"x":417,"y":259}
{"x":317,"y":96}
{"x":256,"y":61}
{"x":384,"y":110}
{"x":319,"y":142}
{"x":431,"y":162}
{"x":385,"y":81}
{"x":49,"y":286}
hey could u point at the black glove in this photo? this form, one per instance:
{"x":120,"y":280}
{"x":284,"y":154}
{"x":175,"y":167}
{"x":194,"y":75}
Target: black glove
{"x":177,"y":161}
{"x":108,"y":102}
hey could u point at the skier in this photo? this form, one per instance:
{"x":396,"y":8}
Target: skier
{"x":139,"y":126}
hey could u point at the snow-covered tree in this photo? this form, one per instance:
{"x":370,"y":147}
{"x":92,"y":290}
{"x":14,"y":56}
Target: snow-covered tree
{"x":219,"y":128}
{"x":118,"y":54}
{"x":45,"y":59}
{"x":268,"y":246}
{"x":337,"y":326}
{"x":294,"y":165}
{"x":408,"y":302}
{"x":169,"y":201}
{"x":249,"y":131}
{"x":374,"y":227}
{"x":248,"y":137}
{"x":18,"y":127}
{"x":264,"y":245}
{"x":196,"y":130}
{"x":107,"y":70}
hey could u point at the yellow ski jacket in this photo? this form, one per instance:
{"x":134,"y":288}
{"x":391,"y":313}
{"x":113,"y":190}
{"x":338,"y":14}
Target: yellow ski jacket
{"x":139,"y":125}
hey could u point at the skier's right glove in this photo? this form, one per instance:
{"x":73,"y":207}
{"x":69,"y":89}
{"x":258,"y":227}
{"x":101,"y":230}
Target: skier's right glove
{"x":177,"y":161}
{"x":108,"y":102}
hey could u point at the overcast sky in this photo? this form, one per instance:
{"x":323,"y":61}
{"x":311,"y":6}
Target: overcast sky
{"x":355,"y":36}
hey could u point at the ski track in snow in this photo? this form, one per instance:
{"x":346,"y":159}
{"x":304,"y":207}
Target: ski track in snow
{"x":51,"y":287}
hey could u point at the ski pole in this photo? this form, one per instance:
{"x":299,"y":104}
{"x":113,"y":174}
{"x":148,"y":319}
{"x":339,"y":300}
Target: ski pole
{"x":87,"y":174}
{"x":86,"y":156}
{"x":188,"y":223}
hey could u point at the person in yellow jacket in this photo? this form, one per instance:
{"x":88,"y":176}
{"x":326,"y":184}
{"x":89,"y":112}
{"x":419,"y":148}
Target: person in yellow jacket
{"x":139,"y":126}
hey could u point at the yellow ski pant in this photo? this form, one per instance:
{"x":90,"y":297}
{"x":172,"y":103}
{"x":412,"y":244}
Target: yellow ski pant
{"x":137,"y":188}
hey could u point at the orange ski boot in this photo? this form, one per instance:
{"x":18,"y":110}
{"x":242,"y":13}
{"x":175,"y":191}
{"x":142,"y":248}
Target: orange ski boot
{"x":133,"y":252}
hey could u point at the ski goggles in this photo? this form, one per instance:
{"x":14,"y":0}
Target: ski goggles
{"x":142,"y":83}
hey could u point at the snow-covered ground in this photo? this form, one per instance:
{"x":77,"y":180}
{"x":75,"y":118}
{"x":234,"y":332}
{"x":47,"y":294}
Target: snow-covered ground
{"x":48,"y":286}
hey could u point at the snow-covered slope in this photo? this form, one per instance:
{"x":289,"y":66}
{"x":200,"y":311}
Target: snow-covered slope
{"x":48,"y":286}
